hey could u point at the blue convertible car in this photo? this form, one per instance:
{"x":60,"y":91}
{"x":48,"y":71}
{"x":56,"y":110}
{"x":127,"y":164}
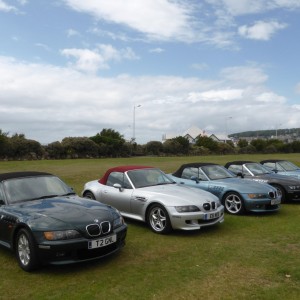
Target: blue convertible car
{"x":237,"y":195}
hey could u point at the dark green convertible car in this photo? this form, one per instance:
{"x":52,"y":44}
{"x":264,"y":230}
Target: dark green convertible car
{"x":43,"y":221}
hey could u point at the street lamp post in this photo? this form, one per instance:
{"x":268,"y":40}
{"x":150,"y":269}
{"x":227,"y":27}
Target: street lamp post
{"x":133,"y":125}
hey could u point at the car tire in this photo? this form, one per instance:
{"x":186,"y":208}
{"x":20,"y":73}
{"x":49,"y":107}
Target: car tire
{"x":281,"y":190}
{"x":158,"y":219}
{"x":25,"y":250}
{"x":233,"y":203}
{"x":89,"y":195}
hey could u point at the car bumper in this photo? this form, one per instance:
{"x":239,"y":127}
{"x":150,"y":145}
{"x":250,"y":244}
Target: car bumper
{"x":196,"y":220}
{"x":76,"y":250}
{"x":261,"y":205}
{"x":293,"y":196}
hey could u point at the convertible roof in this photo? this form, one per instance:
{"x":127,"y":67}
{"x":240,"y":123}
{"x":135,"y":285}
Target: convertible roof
{"x":271,"y":160}
{"x":12,"y":175}
{"x":121,"y":169}
{"x":238,"y":162}
{"x":178,"y":173}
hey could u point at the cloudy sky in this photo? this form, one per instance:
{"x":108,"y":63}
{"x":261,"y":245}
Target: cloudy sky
{"x":70,"y":68}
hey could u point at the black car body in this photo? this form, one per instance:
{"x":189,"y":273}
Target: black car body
{"x":43,"y":221}
{"x":287,"y":185}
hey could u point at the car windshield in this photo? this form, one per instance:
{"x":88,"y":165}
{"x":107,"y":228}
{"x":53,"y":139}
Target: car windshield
{"x":216,"y":172}
{"x":148,"y":177}
{"x":257,"y":169}
{"x":288,"y":166}
{"x":31,"y":188}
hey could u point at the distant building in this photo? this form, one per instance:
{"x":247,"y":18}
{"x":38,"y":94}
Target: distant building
{"x":193,"y":133}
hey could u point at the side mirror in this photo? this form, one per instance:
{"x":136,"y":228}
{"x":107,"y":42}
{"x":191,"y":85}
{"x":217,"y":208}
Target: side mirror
{"x":118,"y":186}
{"x":240,"y":174}
{"x":275,"y":170}
{"x":2,"y":202}
{"x":195,"y":179}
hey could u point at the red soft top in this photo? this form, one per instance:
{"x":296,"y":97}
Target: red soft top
{"x":122,"y":169}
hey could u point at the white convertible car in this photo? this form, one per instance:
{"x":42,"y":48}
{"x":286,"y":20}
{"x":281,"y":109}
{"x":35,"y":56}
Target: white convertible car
{"x":149,"y":195}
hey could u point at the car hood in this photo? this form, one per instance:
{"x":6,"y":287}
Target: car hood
{"x":245,"y":185}
{"x":241,"y":185}
{"x":175,"y":195}
{"x":61,"y":213}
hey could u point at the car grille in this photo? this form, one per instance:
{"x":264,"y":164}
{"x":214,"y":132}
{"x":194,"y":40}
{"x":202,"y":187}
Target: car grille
{"x":98,"y":229}
{"x":209,"y":206}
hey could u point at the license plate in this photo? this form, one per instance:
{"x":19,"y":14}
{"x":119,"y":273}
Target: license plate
{"x":275,"y":201}
{"x":212,"y":215}
{"x":102,"y":242}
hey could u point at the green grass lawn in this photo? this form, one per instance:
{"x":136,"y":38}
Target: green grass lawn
{"x":246,"y":257}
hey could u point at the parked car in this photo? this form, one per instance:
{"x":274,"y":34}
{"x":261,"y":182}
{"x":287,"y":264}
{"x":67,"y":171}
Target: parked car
{"x":236,"y":194}
{"x":149,"y":195}
{"x":283,"y":167}
{"x":288,"y":186}
{"x":44,"y":222}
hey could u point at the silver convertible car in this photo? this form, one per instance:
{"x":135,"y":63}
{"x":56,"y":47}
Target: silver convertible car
{"x":149,"y":195}
{"x":236,"y":194}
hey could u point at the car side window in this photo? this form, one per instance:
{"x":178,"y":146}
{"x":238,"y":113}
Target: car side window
{"x":235,"y":169}
{"x":120,"y":178}
{"x":189,"y":172}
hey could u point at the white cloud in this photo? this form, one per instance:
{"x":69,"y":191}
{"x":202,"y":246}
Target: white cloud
{"x":244,"y":75}
{"x":6,"y":7}
{"x":270,"y":97}
{"x":157,"y":19}
{"x":245,"y":7}
{"x":82,"y":105}
{"x":72,"y":32}
{"x":156,"y":50}
{"x":261,"y":30}
{"x":221,"y":95}
{"x":91,"y":61}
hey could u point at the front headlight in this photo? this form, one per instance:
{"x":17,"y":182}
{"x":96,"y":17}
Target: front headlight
{"x":61,"y":235}
{"x":187,"y":208}
{"x":257,"y":196}
{"x":119,"y":221}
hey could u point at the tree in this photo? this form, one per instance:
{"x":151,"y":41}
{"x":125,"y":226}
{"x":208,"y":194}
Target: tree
{"x":259,"y":144}
{"x":207,"y":142}
{"x":23,"y":148}
{"x":154,"y":148}
{"x":80,"y":147}
{"x":55,"y":150}
{"x":113,"y":141}
{"x":242,"y":143}
{"x":184,"y":144}
{"x":4,"y":144}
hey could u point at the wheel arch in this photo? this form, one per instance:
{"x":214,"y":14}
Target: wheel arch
{"x":147,"y":209}
{"x":230,"y":192}
{"x":16,"y":231}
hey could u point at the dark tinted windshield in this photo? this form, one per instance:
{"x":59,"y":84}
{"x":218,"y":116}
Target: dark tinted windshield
{"x":28,"y":188}
{"x":257,"y":169}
